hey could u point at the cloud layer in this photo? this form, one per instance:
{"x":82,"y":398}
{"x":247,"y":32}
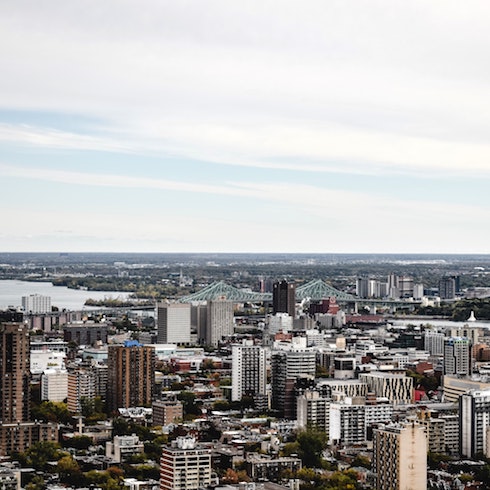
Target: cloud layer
{"x":249,"y":108}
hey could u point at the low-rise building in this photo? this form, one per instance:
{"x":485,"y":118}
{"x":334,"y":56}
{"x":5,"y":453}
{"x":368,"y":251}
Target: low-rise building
{"x":264,"y":468}
{"x":123,"y":447}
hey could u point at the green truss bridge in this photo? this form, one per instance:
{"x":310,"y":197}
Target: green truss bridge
{"x":315,"y":290}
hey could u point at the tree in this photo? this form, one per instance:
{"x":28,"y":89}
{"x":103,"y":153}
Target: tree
{"x":93,"y":409}
{"x":434,"y":460}
{"x":188,"y":400}
{"x":361,"y":460}
{"x":36,"y":483}
{"x":312,"y":443}
{"x":69,"y":471}
{"x":321,"y":371}
{"x":79,"y":442}
{"x":40,"y":453}
{"x":51,"y":412}
{"x":207,"y":365}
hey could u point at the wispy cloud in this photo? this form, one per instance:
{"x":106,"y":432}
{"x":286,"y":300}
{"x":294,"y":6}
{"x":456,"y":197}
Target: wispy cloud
{"x":312,"y":199}
{"x":26,"y":134}
{"x":320,"y":148}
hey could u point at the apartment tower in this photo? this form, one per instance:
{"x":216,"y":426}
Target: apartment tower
{"x":17,"y":431}
{"x":185,"y":465}
{"x":248,"y":370}
{"x":174,"y":323}
{"x":131,"y":375}
{"x":400,"y":457}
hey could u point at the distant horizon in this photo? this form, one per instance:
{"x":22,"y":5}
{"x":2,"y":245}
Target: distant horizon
{"x":129,"y":253}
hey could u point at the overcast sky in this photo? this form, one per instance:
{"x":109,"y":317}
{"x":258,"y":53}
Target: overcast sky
{"x":246,"y":126}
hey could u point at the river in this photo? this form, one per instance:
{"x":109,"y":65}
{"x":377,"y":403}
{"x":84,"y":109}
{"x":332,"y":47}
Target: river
{"x":11,"y":292}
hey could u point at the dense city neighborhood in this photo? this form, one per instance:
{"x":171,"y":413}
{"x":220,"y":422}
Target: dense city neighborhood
{"x":291,"y":384}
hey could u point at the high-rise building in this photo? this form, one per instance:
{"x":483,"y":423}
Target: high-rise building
{"x":434,"y":343}
{"x":312,"y":410}
{"x":198,"y":322}
{"x":15,"y":373}
{"x":474,"y":419}
{"x":447,"y":288}
{"x":367,"y":288}
{"x":131,"y":375}
{"x":185,"y":465}
{"x":17,"y":431}
{"x":248,"y":370}
{"x":418,"y":291}
{"x":81,"y":385}
{"x":442,"y":429}
{"x":348,"y":421}
{"x":280,"y":322}
{"x":284,"y":298}
{"x":219,"y":321}
{"x":36,"y":303}
{"x":174,"y":323}
{"x":54,"y":385}
{"x":286,"y":367}
{"x":400,"y":457}
{"x":457,"y":356}
{"x":399,"y":286}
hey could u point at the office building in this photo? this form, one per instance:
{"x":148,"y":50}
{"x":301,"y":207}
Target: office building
{"x":280,"y":322}
{"x":17,"y":431}
{"x":36,"y":303}
{"x":418,"y":292}
{"x":474,"y":419}
{"x":46,"y":359}
{"x":131,"y":375}
{"x":54,"y":385}
{"x":457,"y":356}
{"x":474,"y":334}
{"x":219,"y":321}
{"x":434,"y":343}
{"x":447,"y":288}
{"x":85,"y":333}
{"x":185,"y":465}
{"x":344,"y":366}
{"x":174,"y":323}
{"x":397,"y":388}
{"x":400,"y":457}
{"x":284,"y":298}
{"x":349,"y":387}
{"x":286,"y":367}
{"x":248,"y":370}
{"x":455,"y":386}
{"x":367,"y":288}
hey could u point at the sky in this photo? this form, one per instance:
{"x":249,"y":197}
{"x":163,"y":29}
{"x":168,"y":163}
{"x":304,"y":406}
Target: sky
{"x":261,"y":126}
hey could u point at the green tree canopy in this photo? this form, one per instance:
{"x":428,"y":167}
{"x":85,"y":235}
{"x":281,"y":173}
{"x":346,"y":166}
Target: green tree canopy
{"x":52,"y":412}
{"x":312,"y":443}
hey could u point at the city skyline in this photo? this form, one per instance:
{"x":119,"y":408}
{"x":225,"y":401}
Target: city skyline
{"x":227,"y":127}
